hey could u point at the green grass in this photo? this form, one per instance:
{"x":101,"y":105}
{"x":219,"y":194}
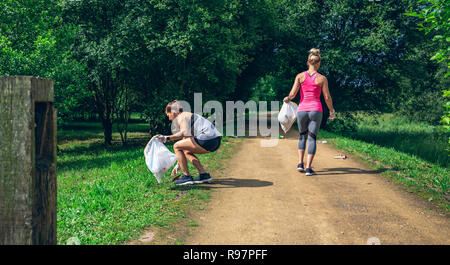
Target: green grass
{"x":193,"y":223}
{"x":429,"y":180}
{"x":405,"y":135}
{"x":108,"y":196}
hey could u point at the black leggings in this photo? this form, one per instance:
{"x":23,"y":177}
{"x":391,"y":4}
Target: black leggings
{"x":308,"y":123}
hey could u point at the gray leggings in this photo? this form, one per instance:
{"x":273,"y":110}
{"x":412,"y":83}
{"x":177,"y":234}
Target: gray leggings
{"x":308,"y":123}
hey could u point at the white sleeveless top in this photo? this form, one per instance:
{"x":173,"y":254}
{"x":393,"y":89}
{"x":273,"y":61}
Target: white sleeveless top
{"x":202,"y":128}
{"x":199,"y":127}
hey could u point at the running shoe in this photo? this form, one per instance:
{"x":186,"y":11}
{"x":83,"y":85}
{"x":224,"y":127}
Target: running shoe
{"x":203,"y":178}
{"x":310,"y":172}
{"x":301,"y":167}
{"x":185,"y":180}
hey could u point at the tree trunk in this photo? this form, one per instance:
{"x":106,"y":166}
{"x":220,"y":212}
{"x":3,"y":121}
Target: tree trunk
{"x":107,"y":125}
{"x":102,"y":99}
{"x":107,"y":131}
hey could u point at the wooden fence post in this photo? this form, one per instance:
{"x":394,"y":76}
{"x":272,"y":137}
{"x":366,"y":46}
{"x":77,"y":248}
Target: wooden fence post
{"x":27,"y":161}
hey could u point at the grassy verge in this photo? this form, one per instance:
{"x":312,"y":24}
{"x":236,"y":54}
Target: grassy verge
{"x":403,"y":134}
{"x":429,"y":180}
{"x":108,"y":196}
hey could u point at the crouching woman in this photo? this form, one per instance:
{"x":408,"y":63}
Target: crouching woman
{"x":195,"y":135}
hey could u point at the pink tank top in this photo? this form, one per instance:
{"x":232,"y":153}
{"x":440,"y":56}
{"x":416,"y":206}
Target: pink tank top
{"x":310,"y":94}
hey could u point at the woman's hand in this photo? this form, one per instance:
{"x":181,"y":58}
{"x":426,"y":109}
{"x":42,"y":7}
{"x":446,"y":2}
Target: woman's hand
{"x":286,"y":99}
{"x":332,"y":115}
{"x":162,"y":138}
{"x":175,"y":170}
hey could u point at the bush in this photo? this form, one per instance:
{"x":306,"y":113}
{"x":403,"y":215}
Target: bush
{"x":427,"y":107}
{"x":344,"y":123}
{"x":264,"y":89}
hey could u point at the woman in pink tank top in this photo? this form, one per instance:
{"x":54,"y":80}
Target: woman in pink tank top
{"x":309,"y":114}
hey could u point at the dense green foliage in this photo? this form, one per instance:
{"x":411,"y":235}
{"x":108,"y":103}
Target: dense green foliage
{"x":111,"y":58}
{"x":435,"y":16}
{"x":163,"y":50}
{"x":345,"y":123}
{"x":35,"y":41}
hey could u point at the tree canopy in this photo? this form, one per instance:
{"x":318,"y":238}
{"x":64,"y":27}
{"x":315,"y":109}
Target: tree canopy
{"x":109,"y":58}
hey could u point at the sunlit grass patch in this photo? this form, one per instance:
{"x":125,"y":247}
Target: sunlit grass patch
{"x":107,"y":195}
{"x":405,"y":135}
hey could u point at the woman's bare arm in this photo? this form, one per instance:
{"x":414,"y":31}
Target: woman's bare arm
{"x":184,"y":127}
{"x":327,"y":97}
{"x":294,"y":89}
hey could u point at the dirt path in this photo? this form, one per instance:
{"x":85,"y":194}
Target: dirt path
{"x":262,"y":199}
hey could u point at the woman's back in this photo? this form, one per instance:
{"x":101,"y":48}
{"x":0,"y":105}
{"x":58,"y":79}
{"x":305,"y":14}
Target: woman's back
{"x":202,"y":128}
{"x":197,"y":125}
{"x":310,"y":94}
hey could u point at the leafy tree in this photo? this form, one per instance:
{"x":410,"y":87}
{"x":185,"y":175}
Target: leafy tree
{"x":116,"y":57}
{"x":435,"y":17}
{"x":34,"y":41}
{"x":371,"y":52}
{"x":102,"y":47}
{"x":165,"y":50}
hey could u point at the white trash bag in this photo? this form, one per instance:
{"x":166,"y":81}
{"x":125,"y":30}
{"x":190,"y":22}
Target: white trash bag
{"x":158,"y":158}
{"x":287,"y":115}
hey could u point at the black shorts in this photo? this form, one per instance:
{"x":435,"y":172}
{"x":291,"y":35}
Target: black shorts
{"x":210,"y":145}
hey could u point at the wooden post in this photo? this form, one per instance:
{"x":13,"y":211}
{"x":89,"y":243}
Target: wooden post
{"x":27,"y":161}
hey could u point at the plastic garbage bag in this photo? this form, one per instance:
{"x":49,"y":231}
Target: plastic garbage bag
{"x":158,"y":158}
{"x":287,"y":115}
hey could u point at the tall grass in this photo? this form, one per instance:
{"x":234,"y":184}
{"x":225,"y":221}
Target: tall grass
{"x":405,"y":135}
